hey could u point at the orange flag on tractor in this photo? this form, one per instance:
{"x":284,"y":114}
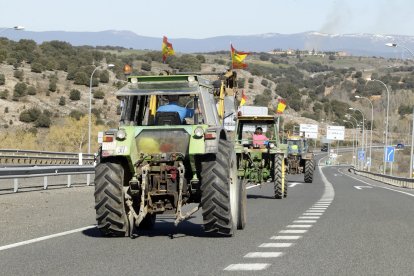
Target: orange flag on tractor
{"x":237,"y":58}
{"x":167,"y":49}
{"x":281,"y":105}
{"x":243,"y":98}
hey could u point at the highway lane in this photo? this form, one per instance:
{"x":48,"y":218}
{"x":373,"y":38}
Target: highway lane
{"x":356,"y":232}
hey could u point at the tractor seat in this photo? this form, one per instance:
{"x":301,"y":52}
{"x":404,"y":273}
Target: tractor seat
{"x":167,"y":118}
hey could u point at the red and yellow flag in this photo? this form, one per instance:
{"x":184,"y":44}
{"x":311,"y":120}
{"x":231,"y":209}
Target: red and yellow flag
{"x":237,"y":58}
{"x":167,"y":49}
{"x":281,"y":105}
{"x":243,"y":98}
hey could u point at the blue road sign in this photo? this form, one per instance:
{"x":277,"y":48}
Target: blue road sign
{"x":361,"y":155}
{"x":389,"y":155}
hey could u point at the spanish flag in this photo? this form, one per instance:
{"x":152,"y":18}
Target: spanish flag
{"x":167,"y":49}
{"x":243,"y":98}
{"x":237,"y":58}
{"x":281,"y":105}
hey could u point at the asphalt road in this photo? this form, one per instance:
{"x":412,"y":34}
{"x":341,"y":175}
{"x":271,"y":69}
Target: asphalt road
{"x":328,"y":227}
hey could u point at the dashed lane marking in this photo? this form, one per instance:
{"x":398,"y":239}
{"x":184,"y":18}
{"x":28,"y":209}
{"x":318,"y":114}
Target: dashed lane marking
{"x":310,"y":217}
{"x":276,"y":244}
{"x":299,"y":226}
{"x":312,"y":214}
{"x":304,"y":221}
{"x":293,"y":231}
{"x":263,"y":254}
{"x":247,"y":267}
{"x":285,"y":237}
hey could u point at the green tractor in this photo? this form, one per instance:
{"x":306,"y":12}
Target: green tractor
{"x":265,"y":162}
{"x":300,"y":159}
{"x":156,"y":161}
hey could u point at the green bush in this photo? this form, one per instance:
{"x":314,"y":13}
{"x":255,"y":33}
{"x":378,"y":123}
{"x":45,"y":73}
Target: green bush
{"x":52,"y":85}
{"x":146,"y":66}
{"x":264,"y":82}
{"x":74,"y":95}
{"x":20,"y":90}
{"x":4,"y":94}
{"x":99,"y":94}
{"x":62,"y":101}
{"x":37,"y":67}
{"x":43,"y":121}
{"x":30,"y":115}
{"x":104,"y":76}
{"x":31,"y":90}
{"x":81,"y":78}
{"x":76,"y":114}
{"x":19,"y":74}
{"x":250,"y":80}
{"x":2,"y":79}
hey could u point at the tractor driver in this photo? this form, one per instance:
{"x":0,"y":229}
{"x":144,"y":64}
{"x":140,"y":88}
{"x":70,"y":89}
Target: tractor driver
{"x":259,"y":139}
{"x":174,"y":106}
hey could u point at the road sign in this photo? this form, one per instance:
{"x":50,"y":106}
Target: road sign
{"x":311,"y":131}
{"x":361,"y":155}
{"x":335,"y":132}
{"x":389,"y":155}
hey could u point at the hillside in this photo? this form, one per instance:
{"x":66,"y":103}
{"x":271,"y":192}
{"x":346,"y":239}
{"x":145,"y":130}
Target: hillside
{"x":353,"y":44}
{"x":38,"y":85}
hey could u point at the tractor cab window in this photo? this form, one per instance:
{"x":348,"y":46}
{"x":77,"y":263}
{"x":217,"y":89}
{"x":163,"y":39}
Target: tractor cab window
{"x":247,"y":131}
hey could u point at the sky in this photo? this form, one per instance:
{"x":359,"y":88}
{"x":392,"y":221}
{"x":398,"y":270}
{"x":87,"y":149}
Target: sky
{"x":209,"y":18}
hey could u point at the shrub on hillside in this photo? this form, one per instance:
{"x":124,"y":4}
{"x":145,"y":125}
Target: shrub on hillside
{"x":31,"y":90}
{"x":146,"y":66}
{"x":43,"y":121}
{"x":4,"y":94}
{"x":99,"y":94}
{"x":18,"y":74}
{"x":30,"y":115}
{"x":62,"y":101}
{"x":2,"y":79}
{"x":20,"y":90}
{"x":104,"y":76}
{"x":76,"y":114}
{"x":74,"y":95}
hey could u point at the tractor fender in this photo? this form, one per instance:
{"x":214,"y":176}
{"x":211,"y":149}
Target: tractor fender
{"x":211,"y":145}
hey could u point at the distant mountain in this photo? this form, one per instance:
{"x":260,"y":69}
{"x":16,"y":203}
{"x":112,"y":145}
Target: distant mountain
{"x":353,"y":44}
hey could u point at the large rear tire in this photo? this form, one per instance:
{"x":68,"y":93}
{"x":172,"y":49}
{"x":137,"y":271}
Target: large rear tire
{"x":242,"y":202}
{"x":285,"y":192}
{"x":111,"y":215}
{"x":309,"y":168}
{"x":278,"y":180}
{"x":215,"y":191}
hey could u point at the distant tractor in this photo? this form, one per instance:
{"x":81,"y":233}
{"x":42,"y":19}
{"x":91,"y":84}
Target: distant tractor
{"x":300,"y":159}
{"x":156,"y":161}
{"x":257,"y":163}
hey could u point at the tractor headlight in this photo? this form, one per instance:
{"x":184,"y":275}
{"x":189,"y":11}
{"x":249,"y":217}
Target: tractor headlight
{"x":198,"y":132}
{"x":121,"y":134}
{"x":271,"y":145}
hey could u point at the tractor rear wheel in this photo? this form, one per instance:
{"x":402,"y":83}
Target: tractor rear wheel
{"x":110,"y":209}
{"x":309,"y":168}
{"x":285,"y":192}
{"x":278,"y":180}
{"x":215,"y":191}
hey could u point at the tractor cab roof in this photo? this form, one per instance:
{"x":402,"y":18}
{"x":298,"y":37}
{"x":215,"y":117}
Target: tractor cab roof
{"x":163,"y":85}
{"x":256,"y":118}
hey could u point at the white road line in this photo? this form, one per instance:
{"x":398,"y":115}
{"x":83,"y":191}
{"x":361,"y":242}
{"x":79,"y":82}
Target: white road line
{"x":312,"y":214}
{"x":318,"y":208}
{"x":304,"y":221}
{"x":315,"y":211}
{"x":247,"y":267}
{"x":263,"y":254}
{"x":386,"y":188}
{"x":254,"y":186}
{"x":285,"y":237}
{"x":309,"y":217}
{"x":5,"y":247}
{"x":299,"y":226}
{"x":276,"y":244}
{"x":293,"y":231}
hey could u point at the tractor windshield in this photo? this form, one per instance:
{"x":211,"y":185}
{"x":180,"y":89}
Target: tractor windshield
{"x":250,"y":132}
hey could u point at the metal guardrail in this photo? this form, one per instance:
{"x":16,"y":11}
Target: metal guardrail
{"x":388,"y":179}
{"x":31,"y":157}
{"x":45,"y":171}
